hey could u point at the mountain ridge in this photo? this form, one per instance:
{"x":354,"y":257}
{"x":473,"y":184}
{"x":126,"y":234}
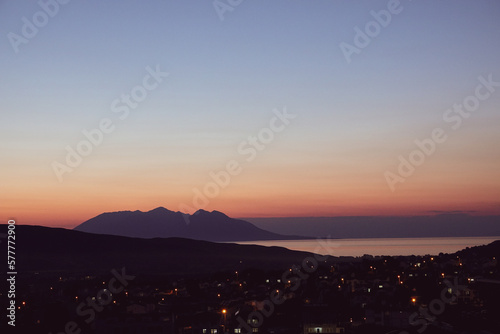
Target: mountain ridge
{"x":52,"y":251}
{"x":164,"y":223}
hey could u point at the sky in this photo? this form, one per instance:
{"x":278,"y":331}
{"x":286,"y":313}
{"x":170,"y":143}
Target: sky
{"x":253,"y":108}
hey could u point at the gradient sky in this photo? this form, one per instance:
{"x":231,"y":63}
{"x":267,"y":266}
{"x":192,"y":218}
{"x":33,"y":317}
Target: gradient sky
{"x":353,"y":120}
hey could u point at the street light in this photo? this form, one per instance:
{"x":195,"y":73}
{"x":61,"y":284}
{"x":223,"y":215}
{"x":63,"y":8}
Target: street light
{"x":224,"y":311}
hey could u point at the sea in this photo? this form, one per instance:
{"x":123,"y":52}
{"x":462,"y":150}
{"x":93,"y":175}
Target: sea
{"x":378,"y":246}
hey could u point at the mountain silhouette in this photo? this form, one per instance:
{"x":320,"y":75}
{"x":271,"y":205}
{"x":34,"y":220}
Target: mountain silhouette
{"x":163,"y":223}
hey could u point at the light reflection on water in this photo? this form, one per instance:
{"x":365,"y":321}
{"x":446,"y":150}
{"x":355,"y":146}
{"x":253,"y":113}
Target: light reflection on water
{"x":379,"y":246}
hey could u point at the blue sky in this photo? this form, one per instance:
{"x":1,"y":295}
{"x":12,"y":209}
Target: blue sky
{"x":225,"y":78}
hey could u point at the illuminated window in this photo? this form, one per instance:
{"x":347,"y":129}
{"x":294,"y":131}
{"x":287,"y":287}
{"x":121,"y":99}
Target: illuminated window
{"x":213,"y":331}
{"x":255,"y":330}
{"x":204,"y":331}
{"x":237,"y":330}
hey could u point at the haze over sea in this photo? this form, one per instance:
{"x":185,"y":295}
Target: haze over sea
{"x":380,"y":246}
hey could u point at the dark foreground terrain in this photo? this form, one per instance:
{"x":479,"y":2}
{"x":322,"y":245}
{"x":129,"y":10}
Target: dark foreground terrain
{"x":76,"y":282}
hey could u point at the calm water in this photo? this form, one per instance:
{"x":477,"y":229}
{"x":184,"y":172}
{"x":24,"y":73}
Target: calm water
{"x":379,"y":246}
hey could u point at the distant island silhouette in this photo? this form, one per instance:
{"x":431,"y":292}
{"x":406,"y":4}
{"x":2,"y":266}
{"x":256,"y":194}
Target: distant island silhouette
{"x":163,"y":223}
{"x":218,"y":227}
{"x":432,"y":225}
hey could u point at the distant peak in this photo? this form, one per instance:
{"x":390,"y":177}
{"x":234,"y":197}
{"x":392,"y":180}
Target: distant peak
{"x":219,"y":213}
{"x":201,"y":212}
{"x":205,"y":212}
{"x":160,"y":209}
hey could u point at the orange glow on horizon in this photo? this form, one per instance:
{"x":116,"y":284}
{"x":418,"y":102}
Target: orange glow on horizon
{"x":73,"y":214}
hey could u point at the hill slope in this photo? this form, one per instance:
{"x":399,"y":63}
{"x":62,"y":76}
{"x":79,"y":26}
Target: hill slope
{"x":45,"y":249}
{"x":55,"y":250}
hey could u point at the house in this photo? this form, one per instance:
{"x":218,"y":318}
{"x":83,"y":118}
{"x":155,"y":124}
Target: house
{"x":319,"y":318}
